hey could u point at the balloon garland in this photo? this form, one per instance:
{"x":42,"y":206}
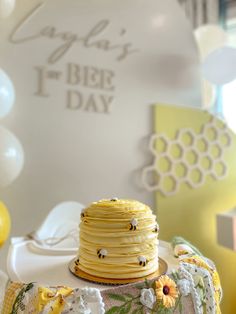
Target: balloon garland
{"x":7,"y":94}
{"x":11,"y":151}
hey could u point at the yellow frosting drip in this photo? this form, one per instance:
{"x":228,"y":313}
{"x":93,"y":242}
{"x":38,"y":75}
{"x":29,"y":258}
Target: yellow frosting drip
{"x":106,"y":225}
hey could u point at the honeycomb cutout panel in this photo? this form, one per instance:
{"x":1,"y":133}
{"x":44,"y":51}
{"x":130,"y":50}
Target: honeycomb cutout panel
{"x":188,"y":158}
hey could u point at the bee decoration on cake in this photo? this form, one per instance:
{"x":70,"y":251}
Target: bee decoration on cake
{"x":133,"y":224}
{"x":76,"y":264}
{"x":82,"y":215}
{"x":156,"y":229}
{"x":102,"y":253}
{"x":142,"y":261}
{"x":114,"y":199}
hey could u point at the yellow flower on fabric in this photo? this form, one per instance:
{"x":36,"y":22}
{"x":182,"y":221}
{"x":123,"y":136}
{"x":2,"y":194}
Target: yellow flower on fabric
{"x":46,"y":296}
{"x":166,"y":291}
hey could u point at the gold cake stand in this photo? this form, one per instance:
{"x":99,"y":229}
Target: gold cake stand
{"x":76,"y":271}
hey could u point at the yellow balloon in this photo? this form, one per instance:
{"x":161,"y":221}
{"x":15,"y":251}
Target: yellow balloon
{"x":5,"y":223}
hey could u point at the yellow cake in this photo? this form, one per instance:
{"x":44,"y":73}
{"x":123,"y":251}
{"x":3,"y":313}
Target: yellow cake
{"x":118,"y":239}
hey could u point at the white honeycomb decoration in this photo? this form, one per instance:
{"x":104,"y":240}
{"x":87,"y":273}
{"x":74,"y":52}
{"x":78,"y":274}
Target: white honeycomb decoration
{"x":188,"y":158}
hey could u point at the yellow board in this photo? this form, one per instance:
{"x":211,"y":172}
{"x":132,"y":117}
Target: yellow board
{"x":191,"y":212}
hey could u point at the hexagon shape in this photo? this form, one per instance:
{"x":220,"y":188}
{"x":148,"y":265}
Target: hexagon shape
{"x":219,"y":170}
{"x":163,"y":164}
{"x":180,"y":171}
{"x":219,"y":123}
{"x":225,"y":139}
{"x":191,"y":157}
{"x":202,"y":144}
{"x":186,"y":137}
{"x":206,"y":163}
{"x":168,"y":185}
{"x":210,"y":132}
{"x":158,"y":144}
{"x":176,"y":151}
{"x":216,"y":152}
{"x":150,"y":178}
{"x":196,"y":177}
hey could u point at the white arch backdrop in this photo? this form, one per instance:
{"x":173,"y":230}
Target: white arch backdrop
{"x":86,"y":74}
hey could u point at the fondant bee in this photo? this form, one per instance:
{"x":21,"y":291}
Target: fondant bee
{"x":76,"y":264}
{"x":142,"y":261}
{"x":82,"y":215}
{"x":133,"y":224}
{"x":102,"y":253}
{"x":156,"y":229}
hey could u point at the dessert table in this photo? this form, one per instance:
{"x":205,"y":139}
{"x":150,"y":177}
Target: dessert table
{"x":44,"y":255}
{"x":40,"y":261}
{"x":35,"y":266}
{"x":28,"y":261}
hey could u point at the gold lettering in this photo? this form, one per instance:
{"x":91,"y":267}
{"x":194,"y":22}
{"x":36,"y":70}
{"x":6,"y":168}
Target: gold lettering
{"x":92,"y":77}
{"x":62,"y":50}
{"x":12,"y":38}
{"x":69,"y":39}
{"x":106,"y":80}
{"x":73,"y":76}
{"x":106,"y":101}
{"x":42,"y":74}
{"x":96,"y":30}
{"x":74,"y":100}
{"x":91,"y":104}
{"x":48,"y":31}
{"x":104,"y":44}
{"x":126,"y":50}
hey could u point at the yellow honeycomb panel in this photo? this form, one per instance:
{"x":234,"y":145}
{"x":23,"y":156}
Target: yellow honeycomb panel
{"x":196,"y":151}
{"x":191,"y":212}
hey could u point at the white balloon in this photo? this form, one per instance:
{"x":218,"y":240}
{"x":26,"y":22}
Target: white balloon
{"x":219,"y":67}
{"x":11,"y":157}
{"x":228,"y":104}
{"x":6,"y":7}
{"x":208,"y":94}
{"x":7,"y":94}
{"x":209,"y":37}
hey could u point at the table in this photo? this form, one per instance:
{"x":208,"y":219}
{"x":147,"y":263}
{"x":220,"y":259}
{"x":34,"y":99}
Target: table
{"x":27,"y":262}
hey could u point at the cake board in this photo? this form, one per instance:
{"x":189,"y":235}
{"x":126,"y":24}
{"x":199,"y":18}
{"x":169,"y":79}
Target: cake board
{"x":76,"y":271}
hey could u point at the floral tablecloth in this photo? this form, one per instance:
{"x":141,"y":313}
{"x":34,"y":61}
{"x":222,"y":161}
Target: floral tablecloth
{"x":193,"y":288}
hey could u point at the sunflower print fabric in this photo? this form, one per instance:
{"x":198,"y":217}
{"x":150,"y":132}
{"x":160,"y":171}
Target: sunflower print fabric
{"x":193,"y":289}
